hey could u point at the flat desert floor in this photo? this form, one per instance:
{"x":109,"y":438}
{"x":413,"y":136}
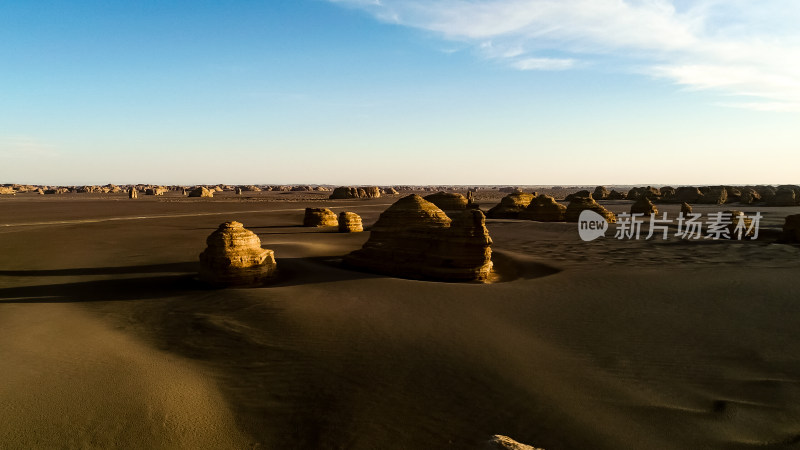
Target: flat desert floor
{"x":107,"y":340}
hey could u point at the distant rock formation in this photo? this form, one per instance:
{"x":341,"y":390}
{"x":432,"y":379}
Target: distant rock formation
{"x":500,"y":442}
{"x":687,"y":194}
{"x":644,"y":206}
{"x":714,"y":195}
{"x":201,"y":191}
{"x":765,"y":192}
{"x":544,"y":208}
{"x":155,"y":191}
{"x":648,"y":192}
{"x":616,"y":195}
{"x":234,"y":257}
{"x":510,"y":190}
{"x":415,"y":239}
{"x":584,"y":193}
{"x":686,"y":209}
{"x":600,"y":193}
{"x":748,"y":196}
{"x":579,"y":204}
{"x":133,"y":193}
{"x":344,"y":192}
{"x":667,"y":194}
{"x":7,"y":190}
{"x":791,"y":229}
{"x":390,"y":191}
{"x":350,"y":222}
{"x":40,"y":191}
{"x":320,"y":217}
{"x":449,"y":202}
{"x":784,"y":196}
{"x":510,"y":206}
{"x":238,"y":191}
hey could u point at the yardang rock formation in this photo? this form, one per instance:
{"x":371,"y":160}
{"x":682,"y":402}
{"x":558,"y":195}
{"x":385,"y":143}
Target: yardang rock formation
{"x":320,"y":217}
{"x":234,"y":257}
{"x":415,"y":239}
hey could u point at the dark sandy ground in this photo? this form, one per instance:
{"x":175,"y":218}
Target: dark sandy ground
{"x":108,"y":341}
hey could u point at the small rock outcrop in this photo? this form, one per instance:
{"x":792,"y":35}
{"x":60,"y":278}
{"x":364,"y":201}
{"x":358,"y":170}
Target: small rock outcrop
{"x":643,"y":206}
{"x":415,"y":239}
{"x":510,"y":206}
{"x":350,"y":222}
{"x":133,"y":193}
{"x":579,"y":204}
{"x":544,"y":208}
{"x":320,"y":217}
{"x":390,"y":191}
{"x":744,"y":227}
{"x":500,"y":442}
{"x":201,"y":192}
{"x":583,"y":193}
{"x":234,"y":257}
{"x":748,"y":196}
{"x":686,"y":209}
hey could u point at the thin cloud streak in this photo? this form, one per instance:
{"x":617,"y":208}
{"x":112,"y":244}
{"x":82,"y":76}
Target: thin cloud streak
{"x":732,"y":47}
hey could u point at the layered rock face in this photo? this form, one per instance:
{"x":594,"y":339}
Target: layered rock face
{"x":448,"y":202}
{"x":791,"y":229}
{"x":644,"y":206}
{"x":343,"y":192}
{"x":234,"y":257}
{"x":544,"y":208}
{"x":510,"y":206}
{"x":201,"y":192}
{"x":686,"y":209}
{"x":413,"y":238}
{"x":350,"y":222}
{"x":320,"y":217}
{"x":579,"y":204}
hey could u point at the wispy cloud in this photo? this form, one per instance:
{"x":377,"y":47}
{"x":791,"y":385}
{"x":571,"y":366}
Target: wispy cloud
{"x":735,"y":47}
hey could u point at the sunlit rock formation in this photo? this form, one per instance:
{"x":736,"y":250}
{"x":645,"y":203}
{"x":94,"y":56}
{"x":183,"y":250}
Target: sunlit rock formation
{"x":510,"y":206}
{"x":544,"y":208}
{"x":414,"y":238}
{"x":320,"y":217}
{"x":234,"y":257}
{"x":643,"y":206}
{"x":579,"y":204}
{"x":350,"y":222}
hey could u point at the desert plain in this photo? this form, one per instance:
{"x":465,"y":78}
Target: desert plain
{"x":109,"y":340}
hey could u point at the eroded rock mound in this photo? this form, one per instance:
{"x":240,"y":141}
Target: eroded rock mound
{"x":716,"y":195}
{"x":784,"y":196}
{"x":234,"y":257}
{"x":643,"y":206}
{"x":687,"y":194}
{"x":600,"y":193}
{"x":449,"y":202}
{"x":544,"y":208}
{"x":320,"y":217}
{"x":510,"y":206}
{"x":579,"y":204}
{"x":413,"y":238}
{"x":616,"y":195}
{"x":133,"y":193}
{"x":201,"y":192}
{"x":584,"y":193}
{"x":686,"y":209}
{"x":350,"y":222}
{"x":500,"y":442}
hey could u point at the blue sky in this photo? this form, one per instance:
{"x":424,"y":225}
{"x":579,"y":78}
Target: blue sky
{"x":400,"y":92}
